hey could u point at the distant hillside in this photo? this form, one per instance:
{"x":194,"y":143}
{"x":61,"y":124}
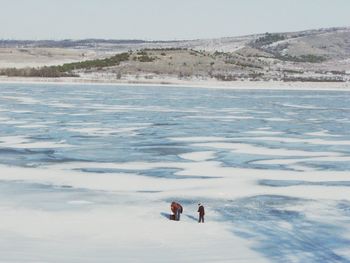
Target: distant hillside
{"x":331,"y":43}
{"x":311,"y":55}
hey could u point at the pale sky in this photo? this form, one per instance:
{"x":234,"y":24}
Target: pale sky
{"x":164,"y":19}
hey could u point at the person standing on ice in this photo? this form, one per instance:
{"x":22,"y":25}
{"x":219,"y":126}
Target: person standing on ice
{"x":201,"y":213}
{"x":177,"y":209}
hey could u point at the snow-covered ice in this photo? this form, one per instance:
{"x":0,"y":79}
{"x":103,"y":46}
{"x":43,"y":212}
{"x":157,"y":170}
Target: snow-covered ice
{"x":87,"y":174}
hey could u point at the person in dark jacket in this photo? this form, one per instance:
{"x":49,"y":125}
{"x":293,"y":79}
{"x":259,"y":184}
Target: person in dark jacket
{"x":201,"y":213}
{"x":177,"y":209}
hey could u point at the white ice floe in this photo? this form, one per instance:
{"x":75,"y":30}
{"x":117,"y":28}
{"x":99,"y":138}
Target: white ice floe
{"x":21,"y":111}
{"x":301,"y":164}
{"x":13,"y":122}
{"x":301,"y":140}
{"x":260,"y":150}
{"x":229,"y":117}
{"x":22,"y":142}
{"x":224,"y":179}
{"x":198,"y":139}
{"x":306,"y":159}
{"x":264,"y":132}
{"x":322,"y":133}
{"x":277,"y":119}
{"x":60,"y":105}
{"x":4,"y":119}
{"x":129,"y":131}
{"x":198,"y":156}
{"x":30,"y":126}
{"x":21,"y":99}
{"x":306,"y":107}
{"x":264,"y":128}
{"x":125,"y":108}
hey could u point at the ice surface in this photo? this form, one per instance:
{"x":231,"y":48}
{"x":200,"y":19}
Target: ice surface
{"x":87,"y":174}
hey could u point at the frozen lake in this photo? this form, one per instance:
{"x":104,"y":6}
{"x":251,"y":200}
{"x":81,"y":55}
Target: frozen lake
{"x":87,"y":174}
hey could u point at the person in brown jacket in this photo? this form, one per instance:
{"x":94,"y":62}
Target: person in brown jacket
{"x":177,"y":209}
{"x":201,"y":213}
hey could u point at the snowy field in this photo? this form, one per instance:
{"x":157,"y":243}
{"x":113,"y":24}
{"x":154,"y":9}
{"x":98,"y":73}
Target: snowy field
{"x":87,"y":174}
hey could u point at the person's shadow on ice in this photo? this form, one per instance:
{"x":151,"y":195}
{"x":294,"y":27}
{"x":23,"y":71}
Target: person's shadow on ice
{"x":167,"y":215}
{"x":192,"y":217}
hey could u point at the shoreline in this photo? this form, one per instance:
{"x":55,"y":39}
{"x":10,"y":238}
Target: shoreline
{"x":172,"y":82}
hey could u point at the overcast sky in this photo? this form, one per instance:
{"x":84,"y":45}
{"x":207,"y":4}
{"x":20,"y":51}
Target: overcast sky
{"x":164,"y":19}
